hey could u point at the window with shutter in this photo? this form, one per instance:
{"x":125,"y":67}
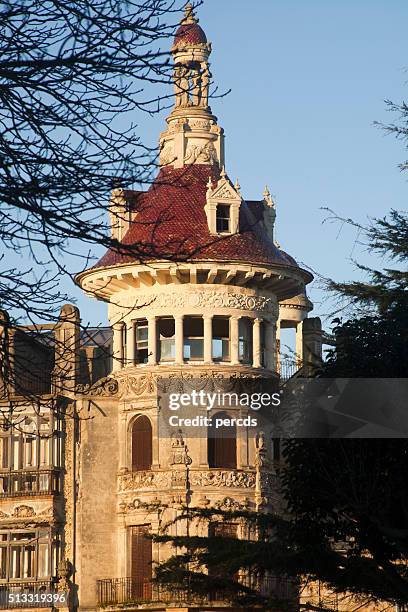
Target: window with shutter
{"x":141,"y":562}
{"x":222,"y":445}
{"x":223,"y":530}
{"x":141,"y":444}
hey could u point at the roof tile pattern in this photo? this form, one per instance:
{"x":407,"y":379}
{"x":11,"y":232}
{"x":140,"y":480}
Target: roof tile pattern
{"x":189,"y":34}
{"x":169,"y":222}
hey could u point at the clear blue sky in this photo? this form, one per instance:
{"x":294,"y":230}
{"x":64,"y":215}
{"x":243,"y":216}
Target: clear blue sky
{"x":308,"y":78}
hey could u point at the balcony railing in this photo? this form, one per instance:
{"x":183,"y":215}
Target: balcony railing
{"x":114,"y":591}
{"x":26,"y":594}
{"x":288,"y":368}
{"x":29,"y":482}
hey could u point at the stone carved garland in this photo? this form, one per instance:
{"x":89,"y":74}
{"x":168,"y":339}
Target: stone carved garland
{"x":24,"y":512}
{"x":104,"y":386}
{"x":164,"y":480}
{"x":232,"y":504}
{"x":227,"y":503}
{"x":146,"y":384}
{"x":139,"y":385}
{"x":208,"y":299}
{"x":200,"y":124}
{"x":244,"y":480}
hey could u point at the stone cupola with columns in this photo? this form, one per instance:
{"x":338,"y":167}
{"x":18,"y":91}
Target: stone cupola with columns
{"x":204,"y":251}
{"x":202,"y":300}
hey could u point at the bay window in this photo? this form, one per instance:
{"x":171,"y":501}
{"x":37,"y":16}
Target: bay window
{"x":28,"y":554}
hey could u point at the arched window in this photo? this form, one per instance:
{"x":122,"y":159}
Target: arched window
{"x":222,"y":445}
{"x":141,"y":444}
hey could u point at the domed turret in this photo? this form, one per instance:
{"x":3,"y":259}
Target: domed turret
{"x":189,"y":32}
{"x":203,"y":249}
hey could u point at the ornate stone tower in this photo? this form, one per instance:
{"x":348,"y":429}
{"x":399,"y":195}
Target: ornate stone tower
{"x":202,"y":304}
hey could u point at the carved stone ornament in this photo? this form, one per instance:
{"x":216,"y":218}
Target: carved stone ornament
{"x":138,"y":385}
{"x":23,"y":512}
{"x":179,"y":450}
{"x":177,"y":125}
{"x":208,"y":299}
{"x":199,"y":124}
{"x":229,"y":504}
{"x":245,"y":480}
{"x":206,"y":154}
{"x":64,"y":574}
{"x":135,"y":504}
{"x":260,"y":450}
{"x":167,"y":155}
{"x":103,"y":387}
{"x":164,"y":480}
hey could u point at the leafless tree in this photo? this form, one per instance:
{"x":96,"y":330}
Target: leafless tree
{"x":68,"y":72}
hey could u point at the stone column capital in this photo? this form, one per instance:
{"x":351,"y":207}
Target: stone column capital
{"x":256,"y":343}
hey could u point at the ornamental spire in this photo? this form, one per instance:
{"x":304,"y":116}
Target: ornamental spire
{"x":189,"y":16}
{"x":191,"y":68}
{"x":193,"y":136}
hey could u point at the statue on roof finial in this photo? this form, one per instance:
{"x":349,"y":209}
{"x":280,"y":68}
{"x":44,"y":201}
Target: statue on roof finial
{"x":189,"y":16}
{"x":268,"y":198}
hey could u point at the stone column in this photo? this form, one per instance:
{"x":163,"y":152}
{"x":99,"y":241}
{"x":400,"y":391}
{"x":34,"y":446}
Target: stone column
{"x":234,"y":340}
{"x":277,"y":343}
{"x":270,"y":346}
{"x":208,"y":338}
{"x":130,"y":344}
{"x":299,"y":344}
{"x":152,"y":340}
{"x":179,"y":334}
{"x":312,"y":345}
{"x":256,"y":344}
{"x":117,"y":355}
{"x":124,"y":450}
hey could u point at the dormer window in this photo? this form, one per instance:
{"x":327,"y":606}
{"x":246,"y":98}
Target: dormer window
{"x":222,"y":207}
{"x":223,"y":219}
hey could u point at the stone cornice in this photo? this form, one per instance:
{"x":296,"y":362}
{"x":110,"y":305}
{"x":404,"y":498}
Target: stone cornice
{"x":280,"y":280}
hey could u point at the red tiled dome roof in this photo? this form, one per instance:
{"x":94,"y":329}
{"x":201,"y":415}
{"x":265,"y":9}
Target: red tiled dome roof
{"x":170,"y":223}
{"x":189,"y":34}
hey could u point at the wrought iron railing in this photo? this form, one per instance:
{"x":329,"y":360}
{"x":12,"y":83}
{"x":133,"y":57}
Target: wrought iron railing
{"x":20,"y":483}
{"x":114,"y":591}
{"x":288,"y":368}
{"x":26,"y":594}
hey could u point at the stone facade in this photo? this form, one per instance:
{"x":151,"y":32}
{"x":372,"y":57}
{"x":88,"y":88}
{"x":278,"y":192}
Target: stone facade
{"x":85,"y":470}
